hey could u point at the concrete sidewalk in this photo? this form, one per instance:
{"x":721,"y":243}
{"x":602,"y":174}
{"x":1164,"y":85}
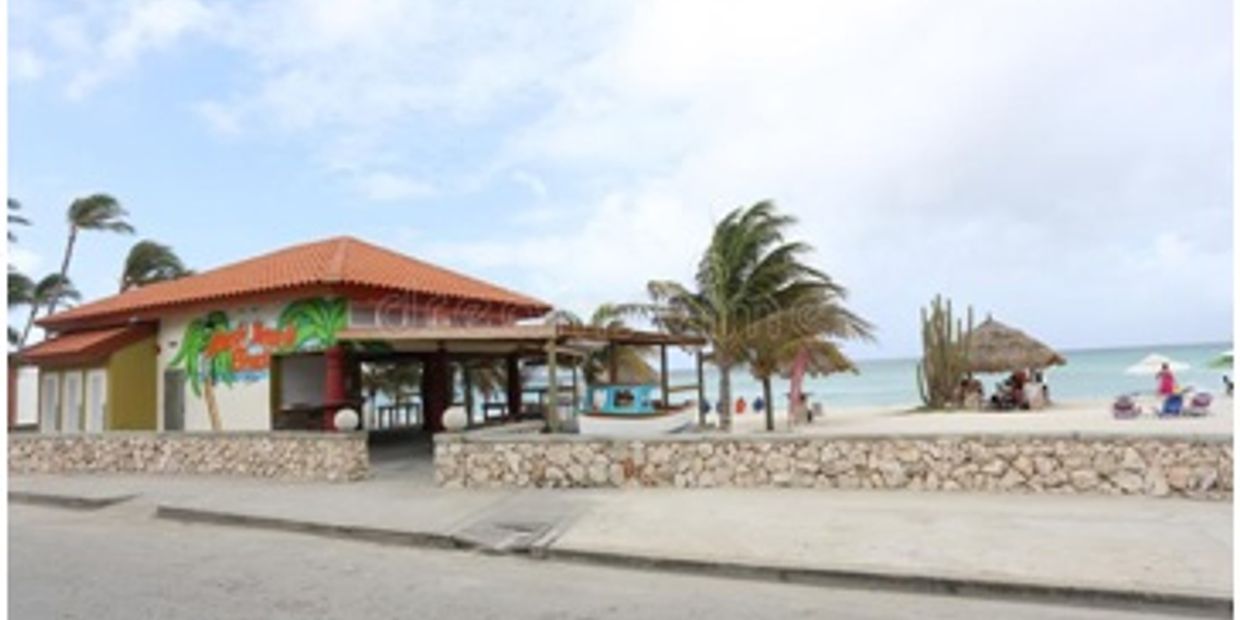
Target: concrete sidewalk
{"x":1118,"y":549}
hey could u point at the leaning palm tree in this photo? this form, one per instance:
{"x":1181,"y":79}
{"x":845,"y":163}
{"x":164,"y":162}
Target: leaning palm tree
{"x":149,"y":262}
{"x":15,"y":218}
{"x":748,"y":278}
{"x":21,"y":293}
{"x":95,"y":212}
{"x":49,"y":291}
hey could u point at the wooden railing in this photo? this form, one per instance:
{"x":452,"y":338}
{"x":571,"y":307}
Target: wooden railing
{"x":396,"y":416}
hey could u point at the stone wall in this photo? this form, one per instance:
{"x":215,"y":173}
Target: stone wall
{"x":1111,"y":465}
{"x":285,"y":455}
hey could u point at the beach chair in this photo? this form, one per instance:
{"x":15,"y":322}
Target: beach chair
{"x":1125,"y":408}
{"x":1172,"y":406}
{"x":1199,"y":405}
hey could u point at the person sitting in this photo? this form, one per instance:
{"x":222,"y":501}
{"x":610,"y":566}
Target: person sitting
{"x":1015,"y":391}
{"x":1035,"y":392}
{"x":973,"y":396}
{"x":961,"y":391}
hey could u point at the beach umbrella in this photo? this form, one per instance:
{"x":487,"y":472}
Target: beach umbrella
{"x":1224,"y":360}
{"x":995,"y":347}
{"x":1153,"y":363}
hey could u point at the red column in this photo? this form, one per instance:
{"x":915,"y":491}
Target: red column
{"x":514,"y":387}
{"x":333,"y":386}
{"x":436,"y":390}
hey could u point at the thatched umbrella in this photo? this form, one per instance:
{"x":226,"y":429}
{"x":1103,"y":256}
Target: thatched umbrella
{"x":995,"y":347}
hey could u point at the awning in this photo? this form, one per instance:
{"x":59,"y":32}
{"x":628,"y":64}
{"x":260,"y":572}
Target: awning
{"x":505,"y":339}
{"x":84,"y":347}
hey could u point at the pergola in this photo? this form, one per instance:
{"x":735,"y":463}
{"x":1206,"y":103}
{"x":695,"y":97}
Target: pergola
{"x":553,"y":345}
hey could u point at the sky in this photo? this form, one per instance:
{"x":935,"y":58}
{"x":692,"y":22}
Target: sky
{"x":1065,"y":166}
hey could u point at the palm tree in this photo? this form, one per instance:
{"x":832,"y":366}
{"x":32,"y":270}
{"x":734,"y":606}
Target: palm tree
{"x":612,"y":360}
{"x":15,"y":219}
{"x":95,"y":212}
{"x":779,"y":339}
{"x":21,"y":293}
{"x":50,"y":290}
{"x":749,"y":281}
{"x":206,"y":368}
{"x":316,"y":320}
{"x":149,"y":262}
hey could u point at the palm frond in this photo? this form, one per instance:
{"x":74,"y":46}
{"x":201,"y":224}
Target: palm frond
{"x":149,"y":262}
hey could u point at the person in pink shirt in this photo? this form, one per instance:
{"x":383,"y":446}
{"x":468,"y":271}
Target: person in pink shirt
{"x":1166,"y":381}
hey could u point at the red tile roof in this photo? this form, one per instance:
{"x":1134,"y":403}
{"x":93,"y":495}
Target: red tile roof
{"x":85,"y":346}
{"x":335,"y":262}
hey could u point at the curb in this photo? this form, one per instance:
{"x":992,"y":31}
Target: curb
{"x":977,"y":588}
{"x":72,"y":502}
{"x":345,"y":532}
{"x":843,"y":578}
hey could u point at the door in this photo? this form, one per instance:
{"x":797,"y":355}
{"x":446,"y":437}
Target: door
{"x":174,"y":400}
{"x":96,"y":400}
{"x":71,"y":415}
{"x":49,"y":403}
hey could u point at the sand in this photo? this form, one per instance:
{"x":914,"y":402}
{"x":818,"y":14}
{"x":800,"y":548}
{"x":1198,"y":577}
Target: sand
{"x":1089,"y":417}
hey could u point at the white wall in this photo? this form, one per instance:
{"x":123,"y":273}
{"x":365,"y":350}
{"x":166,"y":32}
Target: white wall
{"x":244,"y":405}
{"x":27,"y":395}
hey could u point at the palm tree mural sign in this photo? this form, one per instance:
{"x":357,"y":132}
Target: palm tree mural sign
{"x":214,"y":352}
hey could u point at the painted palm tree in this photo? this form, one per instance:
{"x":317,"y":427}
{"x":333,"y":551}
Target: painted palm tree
{"x":50,"y":290}
{"x":149,"y":262}
{"x":611,"y":361}
{"x":317,"y":321}
{"x":97,"y":212}
{"x":750,"y":278}
{"x":203,"y":367}
{"x":15,"y":217}
{"x":780,"y":338}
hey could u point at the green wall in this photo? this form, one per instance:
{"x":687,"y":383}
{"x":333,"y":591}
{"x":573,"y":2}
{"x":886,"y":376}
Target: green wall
{"x":132,"y":377}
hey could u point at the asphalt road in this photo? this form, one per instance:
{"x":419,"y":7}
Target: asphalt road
{"x":122,"y":563}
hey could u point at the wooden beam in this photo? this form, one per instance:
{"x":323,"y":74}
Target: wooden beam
{"x":701,"y":386}
{"x":553,"y":393}
{"x":663,"y":380}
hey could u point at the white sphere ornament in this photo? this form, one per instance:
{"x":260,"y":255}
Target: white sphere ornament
{"x":345,"y":420}
{"x":454,"y":419}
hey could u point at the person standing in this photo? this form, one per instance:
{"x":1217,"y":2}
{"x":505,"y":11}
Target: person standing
{"x":1166,"y":381}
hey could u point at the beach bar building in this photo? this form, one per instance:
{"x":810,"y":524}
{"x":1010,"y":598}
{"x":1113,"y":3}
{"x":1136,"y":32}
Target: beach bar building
{"x":255,"y":345}
{"x":278,"y":342}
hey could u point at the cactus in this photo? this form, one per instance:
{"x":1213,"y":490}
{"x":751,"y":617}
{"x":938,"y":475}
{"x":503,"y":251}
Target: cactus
{"x":945,"y":353}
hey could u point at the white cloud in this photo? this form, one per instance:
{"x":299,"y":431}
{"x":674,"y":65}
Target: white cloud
{"x":24,"y":260}
{"x":25,"y":64}
{"x":531,"y":182}
{"x":387,"y":187}
{"x":137,"y":28}
{"x":1011,"y":154}
{"x":222,"y":119}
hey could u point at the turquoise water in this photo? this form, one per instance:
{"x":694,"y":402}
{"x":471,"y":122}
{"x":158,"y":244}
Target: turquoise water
{"x":1089,"y":374}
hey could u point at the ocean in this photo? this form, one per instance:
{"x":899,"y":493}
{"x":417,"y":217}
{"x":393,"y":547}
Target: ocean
{"x":1088,"y":375}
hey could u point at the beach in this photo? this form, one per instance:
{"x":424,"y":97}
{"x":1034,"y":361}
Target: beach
{"x":1086,"y":416}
